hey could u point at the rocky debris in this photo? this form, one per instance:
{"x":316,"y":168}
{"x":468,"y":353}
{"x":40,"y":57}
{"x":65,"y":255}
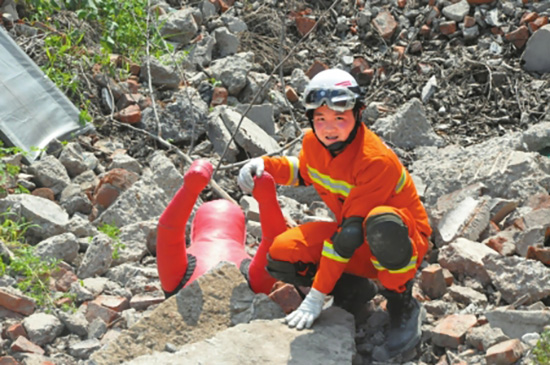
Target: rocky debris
{"x":457,"y":88}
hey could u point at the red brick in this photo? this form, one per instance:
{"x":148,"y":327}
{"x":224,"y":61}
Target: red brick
{"x":541,"y":254}
{"x":8,"y":360}
{"x":518,"y":37}
{"x":106,"y":195}
{"x":16,"y":303}
{"x":528,"y":17}
{"x":111,"y":185}
{"x":398,"y":52}
{"x":287,"y":297}
{"x":507,"y":352}
{"x":537,"y":23}
{"x":115,"y":303}
{"x":447,"y":28}
{"x":128,"y":99}
{"x":433,"y":281}
{"x":291,"y":94}
{"x":95,"y":310}
{"x":425,"y":30}
{"x":219,"y":96}
{"x":431,"y":2}
{"x":130,"y":114}
{"x":64,"y":282}
{"x":45,"y":193}
{"x":16,"y":330}
{"x":24,"y":345}
{"x":135,"y":69}
{"x":497,"y":31}
{"x":63,"y":301}
{"x":315,"y":68}
{"x":385,"y":24}
{"x":450,"y":331}
{"x":304,"y":24}
{"x":143,"y":301}
{"x":361,"y":70}
{"x":469,"y":21}
{"x":133,"y":86}
{"x":401,"y":3}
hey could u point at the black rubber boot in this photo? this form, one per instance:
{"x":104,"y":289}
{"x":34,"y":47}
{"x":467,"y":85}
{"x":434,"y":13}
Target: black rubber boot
{"x":353,"y":292}
{"x":405,"y":321}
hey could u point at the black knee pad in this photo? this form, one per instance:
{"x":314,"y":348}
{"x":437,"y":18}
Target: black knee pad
{"x":298,"y":273}
{"x":388,"y":239}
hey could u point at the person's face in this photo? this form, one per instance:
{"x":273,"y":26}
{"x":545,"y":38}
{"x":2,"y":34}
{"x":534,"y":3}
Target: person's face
{"x":332,"y":126}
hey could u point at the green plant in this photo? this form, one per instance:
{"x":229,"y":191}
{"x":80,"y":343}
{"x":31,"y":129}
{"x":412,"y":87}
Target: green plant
{"x":33,"y":272}
{"x":542,"y":350}
{"x":113,"y":232}
{"x":7,"y":170}
{"x":12,"y":232}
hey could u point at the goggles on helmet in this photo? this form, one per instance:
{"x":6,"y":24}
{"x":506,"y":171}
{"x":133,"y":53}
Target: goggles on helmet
{"x":338,"y":99}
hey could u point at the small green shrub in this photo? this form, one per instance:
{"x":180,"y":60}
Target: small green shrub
{"x":542,"y":349}
{"x":113,"y":232}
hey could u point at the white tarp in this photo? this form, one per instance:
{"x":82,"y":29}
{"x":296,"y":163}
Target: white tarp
{"x":33,"y":111}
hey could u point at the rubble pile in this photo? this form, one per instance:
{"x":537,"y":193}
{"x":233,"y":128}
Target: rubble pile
{"x":460,"y":90}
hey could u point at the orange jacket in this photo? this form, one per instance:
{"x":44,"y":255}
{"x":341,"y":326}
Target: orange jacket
{"x":365,"y":175}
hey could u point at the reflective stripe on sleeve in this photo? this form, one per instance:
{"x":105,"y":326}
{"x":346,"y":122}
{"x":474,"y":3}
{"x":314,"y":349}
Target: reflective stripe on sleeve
{"x":401,"y":183}
{"x":410,"y":266}
{"x":334,"y":186}
{"x":329,"y":252}
{"x":294,"y":165}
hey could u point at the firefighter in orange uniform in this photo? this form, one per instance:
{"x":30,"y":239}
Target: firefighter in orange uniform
{"x":381,"y":229}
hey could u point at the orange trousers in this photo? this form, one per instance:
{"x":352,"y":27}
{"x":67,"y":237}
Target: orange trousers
{"x":305,"y":243}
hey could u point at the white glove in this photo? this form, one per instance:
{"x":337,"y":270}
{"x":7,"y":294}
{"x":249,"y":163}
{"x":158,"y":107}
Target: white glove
{"x":254,"y":167}
{"x":308,"y":311}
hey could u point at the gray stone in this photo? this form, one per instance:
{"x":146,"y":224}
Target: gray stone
{"x":330,"y":341}
{"x":76,"y":322}
{"x":457,"y":11}
{"x":63,"y":247}
{"x":165,"y":174}
{"x":262,"y":115}
{"x":465,"y":257}
{"x":47,"y":218}
{"x":161,"y":75}
{"x":42,"y":328}
{"x":80,"y":227}
{"x":408,"y":127}
{"x":83,"y":349}
{"x":536,"y":56}
{"x":467,"y":219}
{"x":299,"y":80}
{"x":466,"y":295}
{"x":234,"y":24}
{"x":255,"y":92}
{"x":144,"y":200}
{"x":516,"y":323}
{"x":485,"y":336}
{"x":74,"y":200}
{"x":226,"y":42}
{"x":200,"y":53}
{"x":537,"y":137}
{"x":179,"y":26}
{"x":98,"y":257}
{"x":232,"y":71}
{"x":515,"y":277}
{"x":72,"y":157}
{"x":220,"y":137}
{"x":429,"y":89}
{"x":196,"y":313}
{"x":50,"y":173}
{"x":504,"y":170}
{"x":123,"y":161}
{"x":249,"y":136}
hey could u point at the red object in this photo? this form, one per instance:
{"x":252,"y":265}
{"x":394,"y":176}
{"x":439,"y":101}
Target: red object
{"x":218,"y":231}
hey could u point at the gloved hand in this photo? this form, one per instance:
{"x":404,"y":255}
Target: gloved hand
{"x":308,"y":311}
{"x":254,"y":167}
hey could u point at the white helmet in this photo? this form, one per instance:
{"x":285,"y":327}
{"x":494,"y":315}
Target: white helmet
{"x":334,"y":87}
